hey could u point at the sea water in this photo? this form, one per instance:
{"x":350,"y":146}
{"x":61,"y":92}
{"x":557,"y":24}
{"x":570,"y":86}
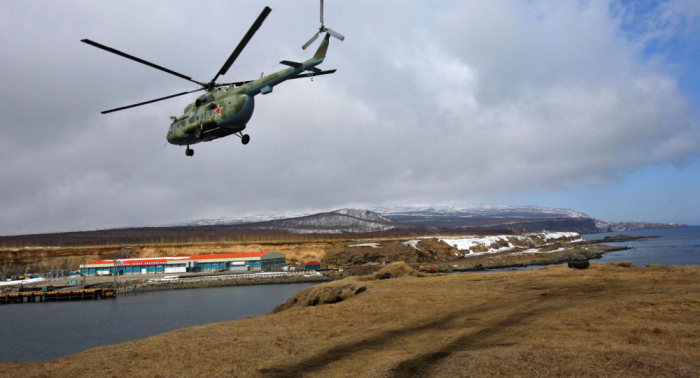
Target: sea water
{"x":671,"y":246}
{"x":48,"y":330}
{"x":674,"y":246}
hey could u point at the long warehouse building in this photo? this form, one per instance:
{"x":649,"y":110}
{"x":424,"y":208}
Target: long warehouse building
{"x":182,"y":264}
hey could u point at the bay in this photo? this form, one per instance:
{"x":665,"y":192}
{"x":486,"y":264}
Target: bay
{"x":42,"y":331}
{"x":673,"y":246}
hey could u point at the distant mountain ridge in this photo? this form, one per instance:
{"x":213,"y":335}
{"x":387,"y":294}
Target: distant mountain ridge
{"x":390,"y":219}
{"x":604,"y":226}
{"x":228,"y":221}
{"x":478,"y":211}
{"x":343,"y":220}
{"x":481,"y":211}
{"x":460,"y":217}
{"x":415,"y":218}
{"x":431,"y":218}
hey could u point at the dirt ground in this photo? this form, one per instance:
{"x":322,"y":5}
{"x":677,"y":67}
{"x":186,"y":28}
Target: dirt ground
{"x":612,"y":320}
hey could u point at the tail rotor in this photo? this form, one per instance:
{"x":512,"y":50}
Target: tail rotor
{"x":323,"y":29}
{"x":307,"y":44}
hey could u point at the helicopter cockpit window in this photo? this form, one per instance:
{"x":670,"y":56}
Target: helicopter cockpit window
{"x":204,"y":100}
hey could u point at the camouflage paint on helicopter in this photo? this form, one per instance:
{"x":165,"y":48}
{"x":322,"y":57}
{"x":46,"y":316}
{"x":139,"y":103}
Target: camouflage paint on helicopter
{"x":226,"y":110}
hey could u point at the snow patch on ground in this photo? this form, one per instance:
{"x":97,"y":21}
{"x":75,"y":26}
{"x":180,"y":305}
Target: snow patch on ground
{"x":535,"y":250}
{"x":373,"y":245}
{"x":476,"y":241}
{"x":468,"y":243}
{"x":412,"y":243}
{"x":555,"y":236}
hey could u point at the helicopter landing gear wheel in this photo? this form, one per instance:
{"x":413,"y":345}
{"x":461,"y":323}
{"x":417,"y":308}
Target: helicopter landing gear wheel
{"x":189,"y":152}
{"x":245,"y":139}
{"x":198,"y":133}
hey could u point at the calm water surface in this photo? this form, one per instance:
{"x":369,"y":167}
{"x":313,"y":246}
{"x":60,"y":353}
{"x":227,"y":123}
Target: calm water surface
{"x":674,"y":246}
{"x":42,"y":331}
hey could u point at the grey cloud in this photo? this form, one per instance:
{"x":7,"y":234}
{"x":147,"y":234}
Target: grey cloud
{"x":431,"y":102}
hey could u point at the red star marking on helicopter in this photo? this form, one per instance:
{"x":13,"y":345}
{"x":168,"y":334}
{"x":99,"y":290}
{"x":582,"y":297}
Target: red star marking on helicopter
{"x":218,"y":110}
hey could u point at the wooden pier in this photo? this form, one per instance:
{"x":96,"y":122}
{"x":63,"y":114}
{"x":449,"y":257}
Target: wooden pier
{"x":57,"y":296}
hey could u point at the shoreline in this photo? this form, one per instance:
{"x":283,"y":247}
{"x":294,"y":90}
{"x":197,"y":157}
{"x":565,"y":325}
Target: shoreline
{"x":127,"y":288}
{"x":515,"y":258}
{"x":488,"y":262}
{"x":611,"y":319}
{"x":538,"y":259}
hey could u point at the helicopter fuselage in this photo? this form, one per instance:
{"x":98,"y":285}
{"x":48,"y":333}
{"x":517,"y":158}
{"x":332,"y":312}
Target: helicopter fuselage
{"x":226,"y":110}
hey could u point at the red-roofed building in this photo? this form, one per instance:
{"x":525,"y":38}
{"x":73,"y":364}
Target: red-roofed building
{"x":312,"y":265}
{"x":182,"y":264}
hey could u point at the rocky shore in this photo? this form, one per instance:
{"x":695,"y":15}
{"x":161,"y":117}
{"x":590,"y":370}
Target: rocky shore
{"x":541,"y":258}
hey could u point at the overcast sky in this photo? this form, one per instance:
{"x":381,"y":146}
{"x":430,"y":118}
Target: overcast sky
{"x":588,"y":105}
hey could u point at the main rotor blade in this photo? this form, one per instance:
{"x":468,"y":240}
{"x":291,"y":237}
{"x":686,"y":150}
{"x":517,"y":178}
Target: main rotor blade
{"x":151,"y":101}
{"x":321,"y":12}
{"x":335,"y":34}
{"x":125,"y":55}
{"x":243,"y":43}
{"x":307,"y":44}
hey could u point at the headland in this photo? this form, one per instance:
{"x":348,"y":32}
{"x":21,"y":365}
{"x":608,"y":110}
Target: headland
{"x":608,"y":320}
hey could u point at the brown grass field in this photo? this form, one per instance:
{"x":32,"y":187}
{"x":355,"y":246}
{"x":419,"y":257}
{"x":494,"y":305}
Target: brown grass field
{"x":612,"y":320}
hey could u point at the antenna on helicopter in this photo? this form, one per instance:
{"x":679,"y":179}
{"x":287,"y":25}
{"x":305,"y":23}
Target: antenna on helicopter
{"x":323,"y":29}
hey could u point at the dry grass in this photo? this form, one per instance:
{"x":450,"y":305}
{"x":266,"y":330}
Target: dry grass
{"x":394,"y":270}
{"x":608,"y":320}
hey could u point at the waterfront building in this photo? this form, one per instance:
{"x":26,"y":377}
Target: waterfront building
{"x":312,"y":265}
{"x":183,"y":264}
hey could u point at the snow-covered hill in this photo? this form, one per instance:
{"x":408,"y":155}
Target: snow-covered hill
{"x":426,"y":218}
{"x":344,"y":220}
{"x":604,"y":226}
{"x":479,"y":211}
{"x":227,"y":221}
{"x":463,"y":217}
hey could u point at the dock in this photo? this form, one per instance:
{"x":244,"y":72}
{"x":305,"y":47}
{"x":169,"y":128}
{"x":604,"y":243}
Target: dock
{"x":58,"y":296}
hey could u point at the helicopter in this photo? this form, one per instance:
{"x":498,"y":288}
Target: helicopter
{"x":225,"y":108}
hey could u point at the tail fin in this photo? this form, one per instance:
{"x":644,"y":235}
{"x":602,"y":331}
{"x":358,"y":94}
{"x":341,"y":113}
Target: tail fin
{"x":321,"y":52}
